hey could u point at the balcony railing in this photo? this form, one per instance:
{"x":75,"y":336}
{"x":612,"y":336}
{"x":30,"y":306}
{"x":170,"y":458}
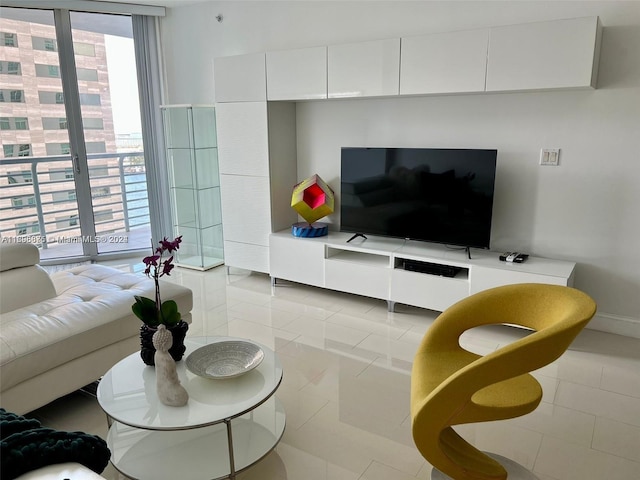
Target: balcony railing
{"x":38,"y":202}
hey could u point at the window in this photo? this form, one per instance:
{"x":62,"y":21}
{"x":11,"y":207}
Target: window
{"x":19,"y":150}
{"x":21,"y":123}
{"x":9,"y":40}
{"x":24,"y":150}
{"x":65,"y":222}
{"x":24,"y":176}
{"x":23,"y":201}
{"x":54,"y":123}
{"x":92,"y":124}
{"x":87,"y":74}
{"x":15,"y":96}
{"x":26,"y":228}
{"x":98,"y":171}
{"x":52,"y":71}
{"x":51,"y":98}
{"x":10,"y":68}
{"x":61,"y":174}
{"x":103,"y":216}
{"x":58,"y":148}
{"x":17,"y":123}
{"x":85,"y":49}
{"x":97,"y":192}
{"x":46,"y":44}
{"x":90,"y":99}
{"x":96,"y":147}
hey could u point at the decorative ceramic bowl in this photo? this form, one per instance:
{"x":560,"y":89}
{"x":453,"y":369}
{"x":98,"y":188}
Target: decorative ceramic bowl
{"x":226,"y":359}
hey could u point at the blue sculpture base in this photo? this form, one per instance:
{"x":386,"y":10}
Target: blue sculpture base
{"x":303,"y":229}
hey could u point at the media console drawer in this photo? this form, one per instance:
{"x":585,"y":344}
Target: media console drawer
{"x":366,"y":279}
{"x":427,"y":291}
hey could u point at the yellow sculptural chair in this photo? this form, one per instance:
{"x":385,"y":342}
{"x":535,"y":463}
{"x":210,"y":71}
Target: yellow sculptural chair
{"x":452,"y":386}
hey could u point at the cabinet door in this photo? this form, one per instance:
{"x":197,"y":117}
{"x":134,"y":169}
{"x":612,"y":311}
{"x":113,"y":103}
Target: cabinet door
{"x":240,"y":78}
{"x":244,"y":255}
{"x":243,"y":143}
{"x":297,"y":74}
{"x":444,"y":62}
{"x":366,"y":69}
{"x":556,"y":54}
{"x":297,"y":259}
{"x":427,"y":291}
{"x":246,"y":210}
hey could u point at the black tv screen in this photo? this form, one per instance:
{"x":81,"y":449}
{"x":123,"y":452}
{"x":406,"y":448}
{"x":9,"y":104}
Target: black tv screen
{"x":430,"y":194}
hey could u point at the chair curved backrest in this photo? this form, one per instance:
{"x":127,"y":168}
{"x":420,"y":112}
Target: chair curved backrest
{"x":452,"y":386}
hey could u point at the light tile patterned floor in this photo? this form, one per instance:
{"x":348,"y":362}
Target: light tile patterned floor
{"x":347,"y":365}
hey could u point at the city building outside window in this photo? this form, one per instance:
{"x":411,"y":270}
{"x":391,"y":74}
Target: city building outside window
{"x":58,"y":148}
{"x":90,"y":99}
{"x":19,"y":150}
{"x":54,"y":123}
{"x":24,"y":150}
{"x":21,"y":123}
{"x":43,"y":70}
{"x":87,"y":74}
{"x":17,"y":123}
{"x":27,"y":228}
{"x":15,"y":96}
{"x":24,"y":176}
{"x":97,"y":192}
{"x":9,"y":39}
{"x":10,"y":68}
{"x":93,"y":123}
{"x":23,"y":201}
{"x":85,"y":49}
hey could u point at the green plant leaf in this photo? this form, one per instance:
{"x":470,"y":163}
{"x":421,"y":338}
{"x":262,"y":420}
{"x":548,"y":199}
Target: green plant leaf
{"x":145,"y":310}
{"x":170,"y":314}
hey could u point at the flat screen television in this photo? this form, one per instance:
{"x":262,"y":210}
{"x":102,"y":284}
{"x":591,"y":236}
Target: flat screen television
{"x":429,"y":194}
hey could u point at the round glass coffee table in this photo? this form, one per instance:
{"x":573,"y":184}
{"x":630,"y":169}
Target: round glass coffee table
{"x":226,"y":426}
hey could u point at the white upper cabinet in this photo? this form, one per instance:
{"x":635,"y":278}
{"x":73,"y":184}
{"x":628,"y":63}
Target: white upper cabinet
{"x":297,"y":74}
{"x":365,"y":69}
{"x":240,"y":78}
{"x":243,"y":141}
{"x":544,"y":55}
{"x":452,"y":62}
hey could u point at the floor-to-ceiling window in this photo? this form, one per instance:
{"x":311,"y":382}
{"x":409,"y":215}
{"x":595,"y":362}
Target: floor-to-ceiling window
{"x":72,"y":163}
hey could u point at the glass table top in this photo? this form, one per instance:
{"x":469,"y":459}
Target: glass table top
{"x":127,"y":392}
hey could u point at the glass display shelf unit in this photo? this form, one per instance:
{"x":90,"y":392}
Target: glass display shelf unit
{"x":194,"y":182}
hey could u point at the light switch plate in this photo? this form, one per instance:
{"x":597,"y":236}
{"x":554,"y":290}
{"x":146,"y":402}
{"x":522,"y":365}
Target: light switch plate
{"x":550,"y":156}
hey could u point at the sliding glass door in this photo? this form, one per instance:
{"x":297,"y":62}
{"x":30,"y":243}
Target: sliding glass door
{"x":72,"y":166}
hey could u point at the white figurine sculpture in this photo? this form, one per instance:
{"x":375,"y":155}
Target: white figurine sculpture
{"x":170,"y":391}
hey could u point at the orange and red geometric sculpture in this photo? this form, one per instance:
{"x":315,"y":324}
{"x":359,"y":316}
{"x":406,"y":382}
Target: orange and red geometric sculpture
{"x":312,"y":199}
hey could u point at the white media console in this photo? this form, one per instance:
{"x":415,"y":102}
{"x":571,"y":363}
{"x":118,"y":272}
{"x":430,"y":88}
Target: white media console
{"x":385,"y":268}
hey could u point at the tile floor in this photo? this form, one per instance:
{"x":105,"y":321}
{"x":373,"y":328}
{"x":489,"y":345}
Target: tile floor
{"x":346,"y":387}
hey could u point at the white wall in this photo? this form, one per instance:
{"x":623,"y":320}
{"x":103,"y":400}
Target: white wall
{"x":586,"y":210}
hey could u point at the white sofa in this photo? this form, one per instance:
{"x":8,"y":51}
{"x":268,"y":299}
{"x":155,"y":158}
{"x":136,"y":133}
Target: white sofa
{"x":63,"y":331}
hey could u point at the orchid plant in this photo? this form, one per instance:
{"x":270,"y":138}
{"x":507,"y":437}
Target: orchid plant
{"x":154,"y":313}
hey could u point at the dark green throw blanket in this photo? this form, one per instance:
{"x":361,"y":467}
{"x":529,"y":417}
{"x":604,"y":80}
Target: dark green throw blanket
{"x":26,"y":445}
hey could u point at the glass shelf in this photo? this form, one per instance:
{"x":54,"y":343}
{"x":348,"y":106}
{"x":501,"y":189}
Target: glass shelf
{"x":194,"y":181}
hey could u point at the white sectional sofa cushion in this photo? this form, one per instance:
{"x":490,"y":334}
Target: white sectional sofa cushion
{"x":61,"y":332}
